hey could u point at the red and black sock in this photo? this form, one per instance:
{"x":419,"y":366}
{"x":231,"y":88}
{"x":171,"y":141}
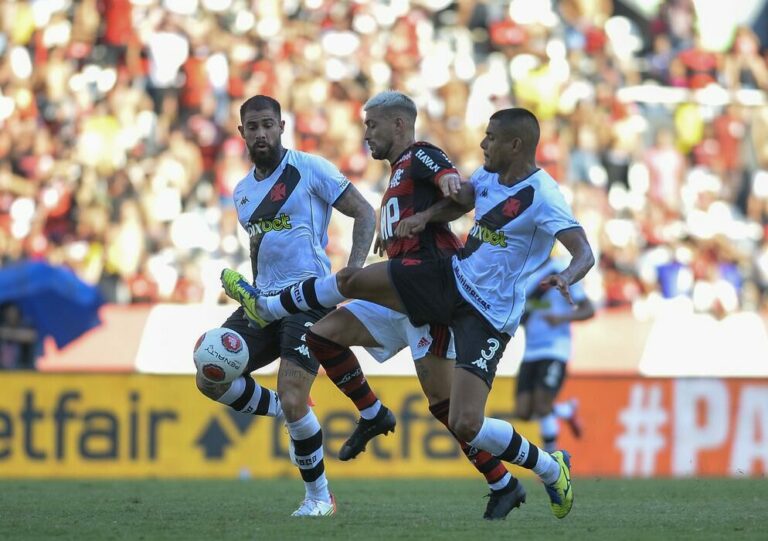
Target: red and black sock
{"x":491,"y":467}
{"x":343,"y":369}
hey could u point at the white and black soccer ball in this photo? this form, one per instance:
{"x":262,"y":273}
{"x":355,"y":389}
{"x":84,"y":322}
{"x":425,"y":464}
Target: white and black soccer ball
{"x":221,"y":355}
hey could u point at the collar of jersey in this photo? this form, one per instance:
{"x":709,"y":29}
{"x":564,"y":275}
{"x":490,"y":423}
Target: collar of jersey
{"x":516,"y":185}
{"x":274,"y":174}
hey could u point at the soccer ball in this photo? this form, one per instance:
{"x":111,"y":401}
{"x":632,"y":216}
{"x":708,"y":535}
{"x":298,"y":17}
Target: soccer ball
{"x":221,"y":355}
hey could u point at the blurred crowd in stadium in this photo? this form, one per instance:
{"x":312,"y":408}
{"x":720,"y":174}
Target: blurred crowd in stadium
{"x":119,"y":146}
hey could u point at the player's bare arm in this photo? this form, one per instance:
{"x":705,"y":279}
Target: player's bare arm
{"x":353,"y":204}
{"x":583,"y":310}
{"x":463,"y":196}
{"x":445,"y":210}
{"x":582,"y":259}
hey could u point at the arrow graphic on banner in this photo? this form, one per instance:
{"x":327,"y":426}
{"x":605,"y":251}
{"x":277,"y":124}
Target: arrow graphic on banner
{"x":214,"y":441}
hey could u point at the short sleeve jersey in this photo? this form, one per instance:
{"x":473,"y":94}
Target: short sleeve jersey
{"x":542,"y":340}
{"x":288,"y":214}
{"x":514,"y":231}
{"x":413,"y":187}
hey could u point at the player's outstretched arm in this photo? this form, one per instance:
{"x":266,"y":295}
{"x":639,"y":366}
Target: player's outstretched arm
{"x":353,"y":204}
{"x":445,"y":210}
{"x":582,"y":259}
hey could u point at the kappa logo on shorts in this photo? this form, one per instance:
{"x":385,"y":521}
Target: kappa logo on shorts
{"x":423,"y":342}
{"x":481,"y":364}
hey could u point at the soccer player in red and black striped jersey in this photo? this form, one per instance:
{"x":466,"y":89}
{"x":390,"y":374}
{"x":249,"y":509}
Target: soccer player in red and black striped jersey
{"x":412,"y":198}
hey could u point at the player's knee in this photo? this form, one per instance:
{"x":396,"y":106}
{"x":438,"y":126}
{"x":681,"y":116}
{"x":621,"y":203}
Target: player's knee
{"x":524,"y":413}
{"x":294,"y":403}
{"x":214,"y":391}
{"x":345,"y":281}
{"x":465,"y":426}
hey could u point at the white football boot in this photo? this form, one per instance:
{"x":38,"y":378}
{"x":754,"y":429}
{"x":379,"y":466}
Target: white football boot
{"x":315,"y":508}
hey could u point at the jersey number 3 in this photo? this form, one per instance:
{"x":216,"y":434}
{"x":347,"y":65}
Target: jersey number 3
{"x":485,"y":356}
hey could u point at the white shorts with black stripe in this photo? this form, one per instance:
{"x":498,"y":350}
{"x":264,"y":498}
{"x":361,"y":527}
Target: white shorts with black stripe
{"x":394,"y":332}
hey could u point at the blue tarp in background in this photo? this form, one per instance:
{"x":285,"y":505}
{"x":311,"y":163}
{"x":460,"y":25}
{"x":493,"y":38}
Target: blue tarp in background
{"x":53,"y":299}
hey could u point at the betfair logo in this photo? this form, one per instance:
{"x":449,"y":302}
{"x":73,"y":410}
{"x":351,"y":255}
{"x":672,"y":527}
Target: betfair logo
{"x":483,"y":234}
{"x":278,"y":223}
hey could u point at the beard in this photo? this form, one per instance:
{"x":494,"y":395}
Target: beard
{"x":264,"y":156}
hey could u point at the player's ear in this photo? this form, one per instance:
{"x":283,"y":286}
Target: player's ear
{"x":282,"y":127}
{"x":240,"y":129}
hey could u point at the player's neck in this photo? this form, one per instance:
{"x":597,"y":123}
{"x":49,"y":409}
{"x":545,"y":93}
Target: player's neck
{"x":263,"y":170}
{"x":398,"y":148}
{"x":517,"y":173}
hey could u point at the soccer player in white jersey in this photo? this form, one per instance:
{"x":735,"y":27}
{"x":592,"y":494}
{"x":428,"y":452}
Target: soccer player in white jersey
{"x":480,"y":294}
{"x":547,"y":321}
{"x":285,"y":203}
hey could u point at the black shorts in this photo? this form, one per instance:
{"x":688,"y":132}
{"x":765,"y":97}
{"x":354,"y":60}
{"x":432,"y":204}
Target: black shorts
{"x":427,"y":290}
{"x":283,"y":338}
{"x":546,"y":374}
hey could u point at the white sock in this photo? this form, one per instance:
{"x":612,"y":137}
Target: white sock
{"x":309,"y":459}
{"x":546,"y":468}
{"x":327,"y":291}
{"x":239,"y":388}
{"x":371,"y":411}
{"x":271,"y":307}
{"x":564,"y":410}
{"x":494,"y":436}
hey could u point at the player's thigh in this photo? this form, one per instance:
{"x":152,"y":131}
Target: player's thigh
{"x":298,"y":366}
{"x":348,"y":325}
{"x":292,"y":336}
{"x":479,"y":347}
{"x":435,"y":376}
{"x":526,"y":383}
{"x":371,"y":283}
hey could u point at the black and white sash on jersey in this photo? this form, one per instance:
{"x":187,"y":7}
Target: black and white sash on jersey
{"x":488,"y":227}
{"x":270,"y":207}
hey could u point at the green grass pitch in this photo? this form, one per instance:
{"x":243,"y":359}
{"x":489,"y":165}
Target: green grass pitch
{"x":370,"y":510}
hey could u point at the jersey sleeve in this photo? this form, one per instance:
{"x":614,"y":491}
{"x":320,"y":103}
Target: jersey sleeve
{"x":430,"y":163}
{"x":327,"y":181}
{"x":554,"y":214}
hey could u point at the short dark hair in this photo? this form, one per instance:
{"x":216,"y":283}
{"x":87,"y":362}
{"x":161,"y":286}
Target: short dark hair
{"x":259,"y":102}
{"x":519,"y":122}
